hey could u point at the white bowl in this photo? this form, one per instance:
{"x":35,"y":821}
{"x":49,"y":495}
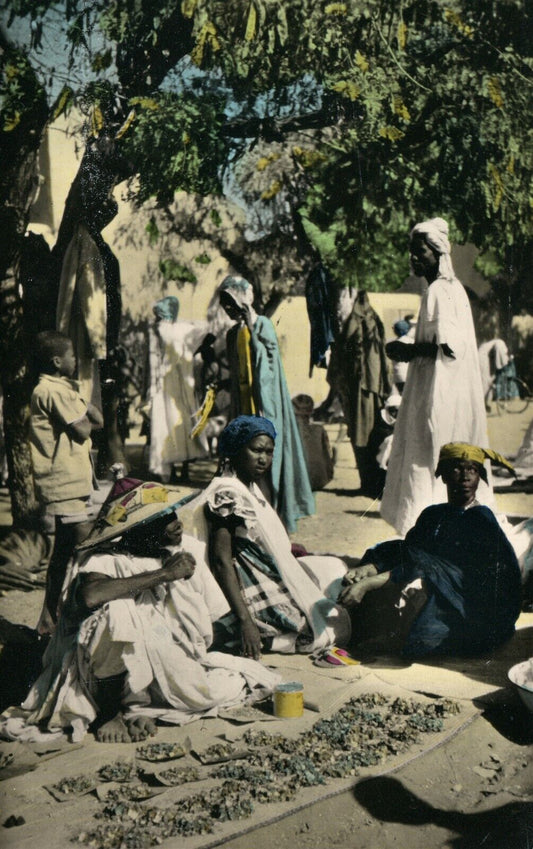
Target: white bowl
{"x":521,"y":675}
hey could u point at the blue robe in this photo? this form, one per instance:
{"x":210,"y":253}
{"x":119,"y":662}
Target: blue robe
{"x":293,"y":496}
{"x":471,"y":576}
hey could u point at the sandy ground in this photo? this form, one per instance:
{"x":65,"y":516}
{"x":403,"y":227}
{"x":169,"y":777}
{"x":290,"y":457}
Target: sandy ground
{"x":474,"y":790}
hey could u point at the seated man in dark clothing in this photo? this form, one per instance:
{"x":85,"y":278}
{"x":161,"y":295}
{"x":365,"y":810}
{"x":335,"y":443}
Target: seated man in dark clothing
{"x":456,"y":564}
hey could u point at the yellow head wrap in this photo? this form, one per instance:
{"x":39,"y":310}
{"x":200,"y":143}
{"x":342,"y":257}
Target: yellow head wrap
{"x":464,"y":451}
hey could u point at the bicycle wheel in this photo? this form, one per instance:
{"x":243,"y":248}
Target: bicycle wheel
{"x":518,"y":396}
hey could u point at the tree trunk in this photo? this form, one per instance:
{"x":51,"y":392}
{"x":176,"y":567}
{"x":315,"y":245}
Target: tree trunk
{"x":16,"y":385}
{"x":17,"y":191}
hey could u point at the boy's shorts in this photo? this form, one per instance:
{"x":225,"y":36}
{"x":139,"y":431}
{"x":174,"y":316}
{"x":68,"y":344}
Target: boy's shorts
{"x":71,"y":512}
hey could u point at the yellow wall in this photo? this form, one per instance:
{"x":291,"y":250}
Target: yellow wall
{"x":143,"y":283}
{"x":292,"y":328}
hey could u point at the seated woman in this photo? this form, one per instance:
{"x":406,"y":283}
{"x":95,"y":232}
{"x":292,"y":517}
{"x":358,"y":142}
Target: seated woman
{"x":278,"y":602}
{"x":133,"y":636}
{"x":456,"y":564}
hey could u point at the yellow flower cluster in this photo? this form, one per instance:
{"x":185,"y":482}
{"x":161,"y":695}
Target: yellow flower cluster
{"x":265,"y":161}
{"x":400,"y":108}
{"x":188,"y":8}
{"x":498,"y":185}
{"x":361,"y":62}
{"x":308,"y":157}
{"x":145,"y":102}
{"x":347,"y":88}
{"x":336,"y":9}
{"x":272,"y":191}
{"x":453,"y":18}
{"x":402,"y":35}
{"x":391,"y":133}
{"x":206,"y":36}
{"x":495,"y":92}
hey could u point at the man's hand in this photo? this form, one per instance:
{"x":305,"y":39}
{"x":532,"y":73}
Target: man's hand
{"x":358,"y":573}
{"x":246,"y":315}
{"x":355,"y":593}
{"x":177,"y":566}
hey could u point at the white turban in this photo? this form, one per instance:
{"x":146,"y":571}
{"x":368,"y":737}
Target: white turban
{"x":435,"y":232}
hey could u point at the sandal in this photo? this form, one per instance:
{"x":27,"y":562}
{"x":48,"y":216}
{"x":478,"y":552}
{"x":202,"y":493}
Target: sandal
{"x":334,"y":657}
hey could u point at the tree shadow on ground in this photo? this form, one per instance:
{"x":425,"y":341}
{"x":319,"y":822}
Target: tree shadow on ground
{"x":504,"y":710}
{"x":343,"y":493}
{"x":509,"y":826}
{"x":363,"y":514}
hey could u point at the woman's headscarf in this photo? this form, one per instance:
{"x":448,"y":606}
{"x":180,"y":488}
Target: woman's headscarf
{"x":240,"y":431}
{"x":239,"y":289}
{"x":167,"y":308}
{"x":435,"y":232}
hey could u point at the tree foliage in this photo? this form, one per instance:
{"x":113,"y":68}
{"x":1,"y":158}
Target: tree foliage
{"x":337,"y":123}
{"x":400,"y":110}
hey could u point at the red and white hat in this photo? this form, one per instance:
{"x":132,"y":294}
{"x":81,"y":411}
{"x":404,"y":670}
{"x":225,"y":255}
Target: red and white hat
{"x":131,"y":503}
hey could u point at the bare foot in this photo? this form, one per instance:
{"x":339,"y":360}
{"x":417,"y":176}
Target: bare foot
{"x":113,"y":731}
{"x":141,"y":727}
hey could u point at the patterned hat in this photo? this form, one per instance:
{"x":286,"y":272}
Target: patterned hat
{"x":132,"y":503}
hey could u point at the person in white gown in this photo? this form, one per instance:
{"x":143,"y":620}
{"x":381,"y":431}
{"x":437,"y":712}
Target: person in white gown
{"x":171,"y":396}
{"x":442,"y":400}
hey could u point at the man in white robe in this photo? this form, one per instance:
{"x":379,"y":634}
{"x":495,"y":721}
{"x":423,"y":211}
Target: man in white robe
{"x":133,"y":637}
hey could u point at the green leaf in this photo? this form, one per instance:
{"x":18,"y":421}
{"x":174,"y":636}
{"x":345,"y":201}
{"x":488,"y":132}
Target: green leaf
{"x":172,"y":270}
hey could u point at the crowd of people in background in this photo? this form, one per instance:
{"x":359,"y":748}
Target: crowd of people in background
{"x":162,"y":606}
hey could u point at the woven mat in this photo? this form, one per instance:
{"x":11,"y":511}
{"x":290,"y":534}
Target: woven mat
{"x":325,"y":690}
{"x":45,"y":816}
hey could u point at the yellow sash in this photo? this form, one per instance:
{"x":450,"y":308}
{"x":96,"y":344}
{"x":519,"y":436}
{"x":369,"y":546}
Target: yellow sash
{"x":244,"y":354}
{"x":202,"y":414}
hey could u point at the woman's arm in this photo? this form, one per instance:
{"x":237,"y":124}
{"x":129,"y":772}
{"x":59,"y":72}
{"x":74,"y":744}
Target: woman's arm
{"x":224,"y":569}
{"x":97,"y":589}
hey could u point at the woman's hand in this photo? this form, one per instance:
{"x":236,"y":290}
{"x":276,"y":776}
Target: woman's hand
{"x":250,"y":640}
{"x":177,"y":566}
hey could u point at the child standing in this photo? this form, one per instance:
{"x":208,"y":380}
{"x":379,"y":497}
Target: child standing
{"x":60,"y":427}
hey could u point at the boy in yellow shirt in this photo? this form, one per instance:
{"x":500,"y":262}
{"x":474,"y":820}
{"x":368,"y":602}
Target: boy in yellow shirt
{"x":60,"y":428}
